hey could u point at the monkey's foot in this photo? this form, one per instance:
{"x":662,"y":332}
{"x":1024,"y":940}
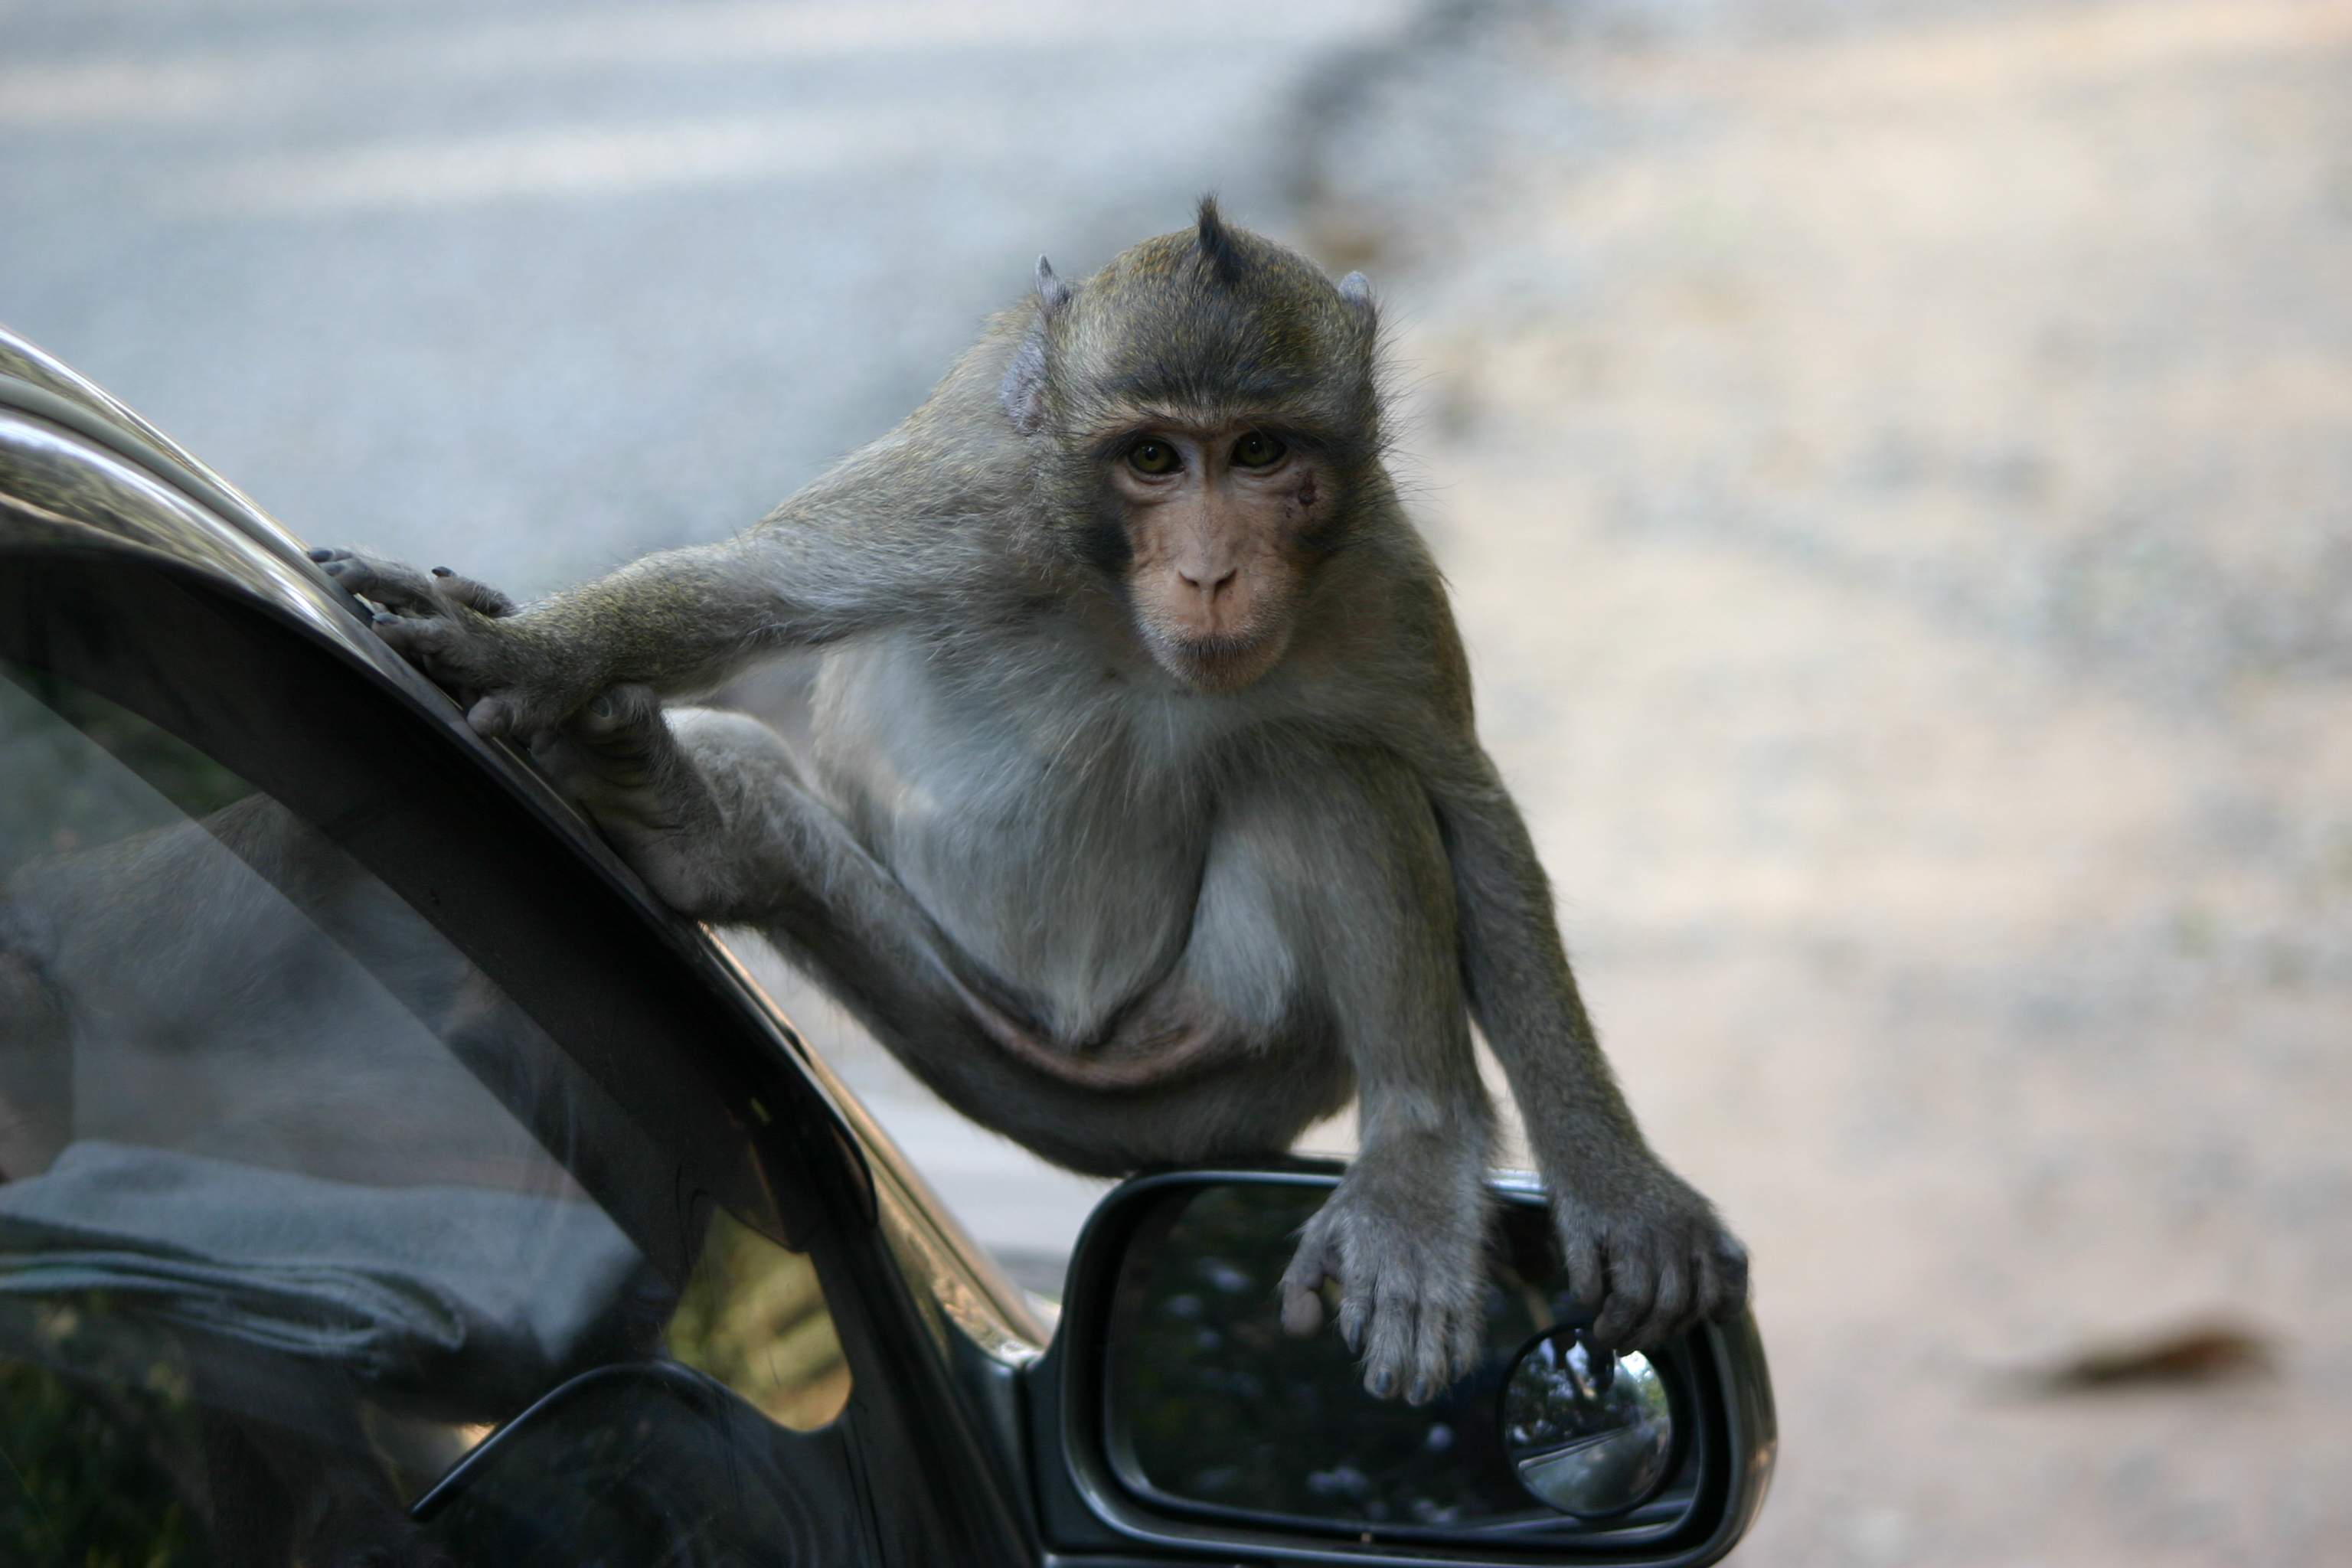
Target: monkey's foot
{"x":624,"y":760}
{"x":617,"y":761}
{"x":1408,"y":1262}
{"x":462,"y":634}
{"x":1648,"y":1256}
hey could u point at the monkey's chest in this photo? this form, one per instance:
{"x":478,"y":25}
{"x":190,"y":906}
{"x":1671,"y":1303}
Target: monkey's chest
{"x":1047,"y":847}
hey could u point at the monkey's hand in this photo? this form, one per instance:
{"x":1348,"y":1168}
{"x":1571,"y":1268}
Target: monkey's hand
{"x":1644,"y":1252}
{"x":1407,"y":1255}
{"x":466,"y":636}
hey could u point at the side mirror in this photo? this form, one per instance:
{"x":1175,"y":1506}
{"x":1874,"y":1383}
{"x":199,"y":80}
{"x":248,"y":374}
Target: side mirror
{"x":1188,"y":1418}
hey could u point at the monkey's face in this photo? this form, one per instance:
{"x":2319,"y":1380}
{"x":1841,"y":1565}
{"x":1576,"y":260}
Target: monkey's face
{"x":1218,"y":523}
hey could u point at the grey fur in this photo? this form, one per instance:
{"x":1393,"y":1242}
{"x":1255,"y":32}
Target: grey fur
{"x":1118,"y":919}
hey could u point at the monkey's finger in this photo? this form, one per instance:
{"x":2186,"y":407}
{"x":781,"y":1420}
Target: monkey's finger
{"x":1632,"y":1286}
{"x":1600,"y":1364}
{"x":1669,"y":1313}
{"x":426,"y":644}
{"x":1356,"y":1314}
{"x":1388,"y":1344}
{"x":476,"y":596}
{"x":1442,"y":1350}
{"x":388,"y":583}
{"x":1302,"y":1289}
{"x":1469,"y":1346}
{"x":1588,"y":1279}
{"x":1723,"y":1266}
{"x":1430,"y":1351}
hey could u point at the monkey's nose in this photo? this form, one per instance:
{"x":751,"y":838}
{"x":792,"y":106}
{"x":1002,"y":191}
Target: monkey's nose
{"x":1208,"y":580}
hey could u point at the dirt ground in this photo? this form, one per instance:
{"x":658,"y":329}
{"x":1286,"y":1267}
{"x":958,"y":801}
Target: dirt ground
{"x":1895,"y":468}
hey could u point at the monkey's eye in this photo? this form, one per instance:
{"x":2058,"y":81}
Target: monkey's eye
{"x":1258,"y":451}
{"x":1153,"y":458}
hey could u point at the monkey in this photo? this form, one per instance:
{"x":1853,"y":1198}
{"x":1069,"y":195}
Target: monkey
{"x":1143,"y":813}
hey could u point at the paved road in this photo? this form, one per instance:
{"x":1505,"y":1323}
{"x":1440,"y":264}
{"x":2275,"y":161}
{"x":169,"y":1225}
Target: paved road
{"x":532,"y":288}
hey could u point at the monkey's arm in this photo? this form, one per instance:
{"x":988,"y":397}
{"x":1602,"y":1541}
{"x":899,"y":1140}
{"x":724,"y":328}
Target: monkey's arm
{"x":1643,"y":1248}
{"x":1372,"y":917}
{"x":864,"y":547}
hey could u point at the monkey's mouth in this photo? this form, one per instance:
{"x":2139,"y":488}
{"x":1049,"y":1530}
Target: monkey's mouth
{"x":1223,"y":661}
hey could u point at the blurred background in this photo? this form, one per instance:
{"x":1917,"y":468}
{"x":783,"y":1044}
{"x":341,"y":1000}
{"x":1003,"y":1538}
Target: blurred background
{"x":1893,"y":462}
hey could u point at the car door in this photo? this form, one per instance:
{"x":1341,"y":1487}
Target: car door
{"x":378,"y":1182}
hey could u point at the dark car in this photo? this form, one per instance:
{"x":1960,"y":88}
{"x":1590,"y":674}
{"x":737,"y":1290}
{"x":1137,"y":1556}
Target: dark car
{"x":386,"y":1177}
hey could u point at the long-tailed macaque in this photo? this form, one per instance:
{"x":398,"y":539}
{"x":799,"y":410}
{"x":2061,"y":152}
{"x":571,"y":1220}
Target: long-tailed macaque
{"x":1144,"y":815}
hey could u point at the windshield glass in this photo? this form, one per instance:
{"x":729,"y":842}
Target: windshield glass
{"x":295,"y":1203}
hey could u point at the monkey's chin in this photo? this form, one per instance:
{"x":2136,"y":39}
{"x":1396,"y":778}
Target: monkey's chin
{"x":1217,"y":665}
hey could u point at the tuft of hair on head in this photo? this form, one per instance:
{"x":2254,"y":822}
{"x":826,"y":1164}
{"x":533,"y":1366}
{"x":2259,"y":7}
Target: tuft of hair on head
{"x":1217,"y":245}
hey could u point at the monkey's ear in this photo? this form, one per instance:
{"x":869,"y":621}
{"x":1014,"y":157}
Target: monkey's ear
{"x":1023,"y":391}
{"x":1356,"y":291}
{"x":1052,"y":292}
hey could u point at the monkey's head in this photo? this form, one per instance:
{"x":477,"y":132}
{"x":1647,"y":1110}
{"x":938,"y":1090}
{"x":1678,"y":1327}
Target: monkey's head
{"x":1207,"y":417}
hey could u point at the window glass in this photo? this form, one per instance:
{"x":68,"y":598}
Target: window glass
{"x":295,"y":1203}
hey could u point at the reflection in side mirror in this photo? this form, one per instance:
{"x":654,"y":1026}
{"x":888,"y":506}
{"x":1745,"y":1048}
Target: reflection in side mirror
{"x":1588,"y":1433}
{"x":1210,"y":1411}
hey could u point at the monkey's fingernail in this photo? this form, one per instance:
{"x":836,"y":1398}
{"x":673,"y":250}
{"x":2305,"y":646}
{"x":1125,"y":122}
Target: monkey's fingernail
{"x":320,"y":555}
{"x":1381,"y":1384}
{"x":384,"y":617}
{"x":1419,"y":1392}
{"x":443,"y":572}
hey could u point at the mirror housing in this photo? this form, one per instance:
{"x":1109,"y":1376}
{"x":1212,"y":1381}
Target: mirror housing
{"x":1173,"y":1413}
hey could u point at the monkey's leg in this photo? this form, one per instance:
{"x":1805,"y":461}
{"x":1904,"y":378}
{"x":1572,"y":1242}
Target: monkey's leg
{"x":1645,"y":1250}
{"x":710,"y":810}
{"x":1347,"y":879}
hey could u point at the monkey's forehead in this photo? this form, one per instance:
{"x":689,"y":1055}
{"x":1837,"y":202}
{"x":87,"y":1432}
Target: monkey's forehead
{"x":1168,"y":276}
{"x":1169,"y":397}
{"x":1210,"y":350}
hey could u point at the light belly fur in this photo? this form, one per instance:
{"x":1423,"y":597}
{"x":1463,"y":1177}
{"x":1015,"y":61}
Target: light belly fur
{"x":1037,"y":832}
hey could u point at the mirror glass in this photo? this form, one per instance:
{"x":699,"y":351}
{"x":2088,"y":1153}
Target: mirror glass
{"x":1211,"y":1408}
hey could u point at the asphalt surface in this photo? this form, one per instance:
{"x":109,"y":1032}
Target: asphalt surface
{"x":537,"y":288}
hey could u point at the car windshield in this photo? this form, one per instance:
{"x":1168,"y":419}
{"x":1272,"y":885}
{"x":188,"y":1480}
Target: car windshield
{"x":295,"y":1203}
